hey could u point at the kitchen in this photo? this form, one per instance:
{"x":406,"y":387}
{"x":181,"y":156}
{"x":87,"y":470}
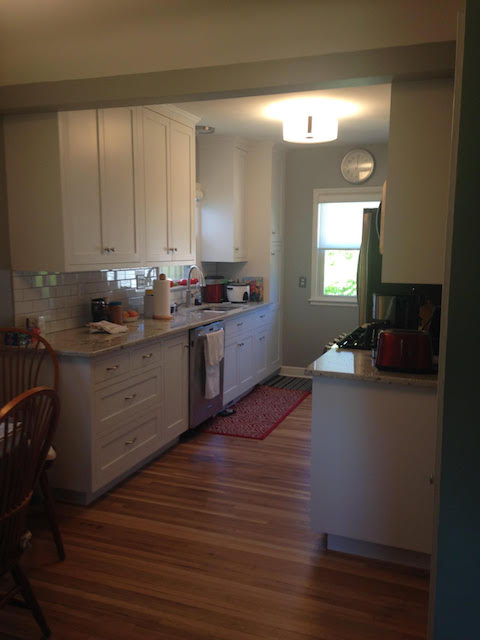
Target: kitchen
{"x":307,"y":274}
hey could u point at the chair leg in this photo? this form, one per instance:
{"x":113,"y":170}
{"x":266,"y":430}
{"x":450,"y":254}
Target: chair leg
{"x":24,"y":584}
{"x":51,"y":515}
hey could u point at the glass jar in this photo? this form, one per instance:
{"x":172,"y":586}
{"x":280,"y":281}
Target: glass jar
{"x":115,"y":312}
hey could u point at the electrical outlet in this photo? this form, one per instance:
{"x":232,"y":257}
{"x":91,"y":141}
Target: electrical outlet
{"x":302,"y":282}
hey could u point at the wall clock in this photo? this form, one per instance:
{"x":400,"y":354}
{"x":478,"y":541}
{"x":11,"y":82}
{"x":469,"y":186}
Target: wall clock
{"x":357,"y":166}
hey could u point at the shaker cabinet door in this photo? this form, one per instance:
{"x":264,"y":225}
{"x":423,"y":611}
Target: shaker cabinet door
{"x":181,"y":219}
{"x":155,"y":133}
{"x":81,"y":187}
{"x":175,"y":400}
{"x":118,"y":140}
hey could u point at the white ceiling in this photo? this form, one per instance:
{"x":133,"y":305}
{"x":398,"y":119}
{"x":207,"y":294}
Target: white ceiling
{"x":246,"y":116}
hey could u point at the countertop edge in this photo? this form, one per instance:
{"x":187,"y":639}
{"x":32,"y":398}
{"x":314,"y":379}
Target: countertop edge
{"x":322,"y":367}
{"x":168,"y":332}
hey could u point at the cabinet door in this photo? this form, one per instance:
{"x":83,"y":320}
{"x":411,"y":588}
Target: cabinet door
{"x":81,"y":188}
{"x":155,"y":153}
{"x":230,"y":375}
{"x":276,"y":265}
{"x":260,"y":355}
{"x":239,"y":182}
{"x":273,"y":344}
{"x":245,"y":363}
{"x":278,"y":194}
{"x":118,"y":140}
{"x":175,"y":399}
{"x":181,"y":219}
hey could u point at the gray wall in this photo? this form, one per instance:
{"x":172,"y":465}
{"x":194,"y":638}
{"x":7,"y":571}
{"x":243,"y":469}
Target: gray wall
{"x":307,"y":328}
{"x":458,"y":551}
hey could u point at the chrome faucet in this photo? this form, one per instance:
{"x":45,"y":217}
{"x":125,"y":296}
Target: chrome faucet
{"x":188,"y":300}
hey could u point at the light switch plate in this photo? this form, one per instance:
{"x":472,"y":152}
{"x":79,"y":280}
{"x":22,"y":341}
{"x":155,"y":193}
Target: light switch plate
{"x":302,"y":282}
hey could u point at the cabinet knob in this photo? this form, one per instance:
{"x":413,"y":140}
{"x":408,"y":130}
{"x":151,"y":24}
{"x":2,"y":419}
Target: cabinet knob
{"x":106,"y":250}
{"x":274,"y":233}
{"x":112,"y":249}
{"x":239,"y":324}
{"x":131,"y":397}
{"x":132,"y":441}
{"x":114,"y":368}
{"x":237,"y":248}
{"x":147,"y":355}
{"x":272,"y":253}
{"x":186,"y":346}
{"x":240,"y":344}
{"x":431,"y":479}
{"x":175,"y":249}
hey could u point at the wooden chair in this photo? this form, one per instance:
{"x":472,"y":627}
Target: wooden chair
{"x":27,"y":425}
{"x":27,"y":360}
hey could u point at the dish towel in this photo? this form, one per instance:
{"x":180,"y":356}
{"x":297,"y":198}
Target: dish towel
{"x":214,"y":351}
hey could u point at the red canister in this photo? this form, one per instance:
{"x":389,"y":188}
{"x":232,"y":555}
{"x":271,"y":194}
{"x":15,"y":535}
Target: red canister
{"x":215,"y":286}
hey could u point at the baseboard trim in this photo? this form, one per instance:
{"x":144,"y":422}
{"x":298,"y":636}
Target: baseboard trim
{"x":293,"y":372}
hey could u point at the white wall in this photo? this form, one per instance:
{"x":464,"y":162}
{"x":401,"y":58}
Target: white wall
{"x":54,"y":40}
{"x":307,"y":328}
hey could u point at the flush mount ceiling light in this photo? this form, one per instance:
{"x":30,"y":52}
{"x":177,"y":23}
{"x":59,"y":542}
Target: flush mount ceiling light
{"x":310,"y":119}
{"x":310,"y":126}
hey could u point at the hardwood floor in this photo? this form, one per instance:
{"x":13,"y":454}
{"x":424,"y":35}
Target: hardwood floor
{"x":212,"y":541}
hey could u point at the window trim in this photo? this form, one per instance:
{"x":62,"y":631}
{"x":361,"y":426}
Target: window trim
{"x":345,"y":194}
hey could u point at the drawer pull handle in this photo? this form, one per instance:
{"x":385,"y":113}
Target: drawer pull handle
{"x":241,"y":344}
{"x":131,"y":397}
{"x":431,"y":479}
{"x":132,"y":441}
{"x":262,"y":338}
{"x":239,"y":324}
{"x":114,"y":368}
{"x":147,"y":355}
{"x":262,"y":316}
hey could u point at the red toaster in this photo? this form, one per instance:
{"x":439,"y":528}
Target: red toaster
{"x":404,"y":350}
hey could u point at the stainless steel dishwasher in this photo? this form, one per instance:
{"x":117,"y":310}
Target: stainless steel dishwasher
{"x":202,"y":408}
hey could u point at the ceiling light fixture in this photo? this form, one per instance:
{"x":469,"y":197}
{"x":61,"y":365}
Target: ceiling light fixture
{"x":310,"y":126}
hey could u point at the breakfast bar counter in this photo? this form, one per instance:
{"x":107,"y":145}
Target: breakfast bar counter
{"x":373,"y":458}
{"x":358,"y":364}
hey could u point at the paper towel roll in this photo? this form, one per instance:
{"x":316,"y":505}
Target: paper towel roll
{"x":161,"y":298}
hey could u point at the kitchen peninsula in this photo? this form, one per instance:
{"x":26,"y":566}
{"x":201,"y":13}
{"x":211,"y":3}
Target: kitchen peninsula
{"x":373,"y":453}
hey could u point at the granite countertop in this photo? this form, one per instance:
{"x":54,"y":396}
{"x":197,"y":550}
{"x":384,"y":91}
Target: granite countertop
{"x":358,"y":364}
{"x":81,"y":343}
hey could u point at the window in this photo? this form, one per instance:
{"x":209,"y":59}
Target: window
{"x":337,"y":236}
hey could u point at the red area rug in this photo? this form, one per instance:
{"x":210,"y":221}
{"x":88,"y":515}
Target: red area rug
{"x":258,"y":413}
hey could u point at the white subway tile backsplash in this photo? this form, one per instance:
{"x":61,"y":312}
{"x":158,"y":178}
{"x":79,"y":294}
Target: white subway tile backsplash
{"x":64,"y":298}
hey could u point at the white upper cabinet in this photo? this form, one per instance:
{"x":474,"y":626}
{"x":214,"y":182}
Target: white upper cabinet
{"x":118,"y":140}
{"x":239,"y":223}
{"x":91,"y":189}
{"x":181,"y":218}
{"x":222,"y":171}
{"x":418,"y":176}
{"x":155,"y":160}
{"x":169,"y":170}
{"x":80,"y":187}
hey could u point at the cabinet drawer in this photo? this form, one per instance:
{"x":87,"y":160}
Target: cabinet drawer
{"x":263,"y":317}
{"x":118,"y":452}
{"x":117,"y":402}
{"x":146,"y":356}
{"x":111,"y":366}
{"x":235,"y":326}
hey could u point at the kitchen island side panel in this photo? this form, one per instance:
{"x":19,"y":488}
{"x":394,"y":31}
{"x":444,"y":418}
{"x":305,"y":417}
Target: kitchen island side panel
{"x":372,"y":462}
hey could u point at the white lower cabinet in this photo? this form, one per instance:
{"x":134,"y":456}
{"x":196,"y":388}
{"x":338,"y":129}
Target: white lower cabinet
{"x":117,"y":412}
{"x":175,"y":389}
{"x":252,"y":351}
